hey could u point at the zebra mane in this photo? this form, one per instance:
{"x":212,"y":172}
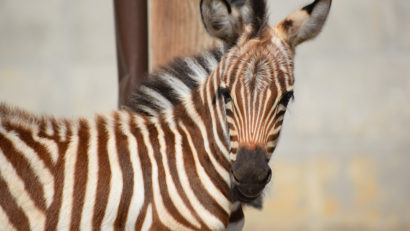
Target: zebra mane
{"x":28,"y":120}
{"x":167,"y":86}
{"x":8,"y":113}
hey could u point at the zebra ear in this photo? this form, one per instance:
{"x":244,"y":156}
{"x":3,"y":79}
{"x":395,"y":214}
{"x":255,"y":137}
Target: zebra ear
{"x":222,"y":20}
{"x":304,"y":24}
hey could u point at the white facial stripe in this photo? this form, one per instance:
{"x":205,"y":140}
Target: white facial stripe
{"x":252,"y":118}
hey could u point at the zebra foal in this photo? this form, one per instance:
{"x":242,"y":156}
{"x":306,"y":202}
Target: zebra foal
{"x":187,"y":168}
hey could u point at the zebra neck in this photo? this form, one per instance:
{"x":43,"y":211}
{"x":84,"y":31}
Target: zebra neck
{"x":203,"y":116}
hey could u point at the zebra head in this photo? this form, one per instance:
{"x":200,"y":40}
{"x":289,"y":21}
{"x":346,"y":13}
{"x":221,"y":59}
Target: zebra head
{"x":257,"y":80}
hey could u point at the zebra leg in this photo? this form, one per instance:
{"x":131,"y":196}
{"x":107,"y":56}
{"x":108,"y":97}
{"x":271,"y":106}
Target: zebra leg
{"x":237,"y":219}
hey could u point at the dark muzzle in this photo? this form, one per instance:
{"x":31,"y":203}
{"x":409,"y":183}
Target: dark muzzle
{"x":250,"y":173}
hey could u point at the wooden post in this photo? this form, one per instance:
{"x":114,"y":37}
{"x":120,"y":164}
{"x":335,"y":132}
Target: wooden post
{"x":131,"y":26}
{"x":176,"y":30}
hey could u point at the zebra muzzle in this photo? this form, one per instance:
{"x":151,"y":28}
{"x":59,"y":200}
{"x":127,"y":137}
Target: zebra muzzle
{"x":250,"y":173}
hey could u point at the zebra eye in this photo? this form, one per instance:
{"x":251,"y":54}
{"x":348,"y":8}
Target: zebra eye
{"x":225,"y":92}
{"x":286,"y":98}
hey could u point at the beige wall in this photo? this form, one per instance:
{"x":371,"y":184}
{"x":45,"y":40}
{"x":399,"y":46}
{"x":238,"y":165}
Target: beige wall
{"x":344,"y":156}
{"x":58,"y":56}
{"x":343,"y":160}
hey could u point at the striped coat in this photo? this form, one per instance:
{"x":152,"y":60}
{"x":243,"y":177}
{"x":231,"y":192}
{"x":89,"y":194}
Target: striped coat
{"x":185,"y":166}
{"x":120,"y":170}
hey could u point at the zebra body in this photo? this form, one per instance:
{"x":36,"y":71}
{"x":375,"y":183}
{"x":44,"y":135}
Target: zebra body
{"x":117,"y":170}
{"x":187,"y":160}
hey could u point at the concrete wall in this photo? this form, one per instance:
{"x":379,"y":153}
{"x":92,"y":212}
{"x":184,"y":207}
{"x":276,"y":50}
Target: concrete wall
{"x":58,"y":56}
{"x":343,"y":159}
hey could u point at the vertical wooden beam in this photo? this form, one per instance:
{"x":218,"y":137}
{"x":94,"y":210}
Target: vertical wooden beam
{"x":131,"y":26}
{"x":176,"y":30}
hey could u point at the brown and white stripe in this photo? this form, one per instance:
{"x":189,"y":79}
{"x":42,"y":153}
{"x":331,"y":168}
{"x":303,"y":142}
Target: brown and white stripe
{"x":119,"y":170}
{"x":170,"y":170}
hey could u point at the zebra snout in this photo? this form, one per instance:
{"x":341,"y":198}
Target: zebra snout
{"x":264,"y":179}
{"x":251,"y":172}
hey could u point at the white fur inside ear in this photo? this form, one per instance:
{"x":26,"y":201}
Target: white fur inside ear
{"x":312,"y":27}
{"x":219,"y":22}
{"x":304,"y":25}
{"x":246,"y":13}
{"x":301,"y":26}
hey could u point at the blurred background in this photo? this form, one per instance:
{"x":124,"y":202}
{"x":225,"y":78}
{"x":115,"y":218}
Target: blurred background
{"x":344,"y":156}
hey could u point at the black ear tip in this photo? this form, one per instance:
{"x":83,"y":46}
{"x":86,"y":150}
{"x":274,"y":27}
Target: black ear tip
{"x":228,"y":6}
{"x":309,"y":8}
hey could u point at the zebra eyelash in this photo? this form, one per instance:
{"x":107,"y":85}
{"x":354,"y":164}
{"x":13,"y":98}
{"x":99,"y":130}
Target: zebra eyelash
{"x":226,"y":93}
{"x":286,"y":97}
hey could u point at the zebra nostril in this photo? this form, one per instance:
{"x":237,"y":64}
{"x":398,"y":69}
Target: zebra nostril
{"x":234,"y":179}
{"x":268,"y":177}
